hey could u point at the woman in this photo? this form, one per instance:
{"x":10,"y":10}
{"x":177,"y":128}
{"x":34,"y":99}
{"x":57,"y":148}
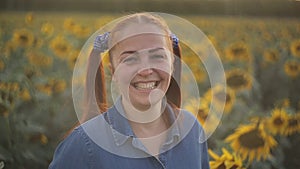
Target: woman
{"x":145,"y":127}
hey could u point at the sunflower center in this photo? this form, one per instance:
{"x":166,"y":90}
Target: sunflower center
{"x":222,"y":166}
{"x":24,"y":38}
{"x":298,"y":48}
{"x":202,"y":114}
{"x":278,"y":121}
{"x":238,"y":51}
{"x":61,"y":47}
{"x":236,"y":81}
{"x":251,"y":140}
{"x":273,"y":56}
{"x":234,"y":166}
{"x":293,"y":67}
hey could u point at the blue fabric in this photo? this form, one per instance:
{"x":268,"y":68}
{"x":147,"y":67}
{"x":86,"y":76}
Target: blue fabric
{"x":108,"y":142}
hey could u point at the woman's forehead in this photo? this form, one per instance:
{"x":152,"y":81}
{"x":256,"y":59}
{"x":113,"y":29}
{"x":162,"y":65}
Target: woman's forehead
{"x":141,"y":42}
{"x":134,"y":30}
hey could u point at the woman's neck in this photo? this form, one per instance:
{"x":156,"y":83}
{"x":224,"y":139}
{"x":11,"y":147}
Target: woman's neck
{"x":142,"y":117}
{"x":151,"y":129}
{"x":149,"y":126}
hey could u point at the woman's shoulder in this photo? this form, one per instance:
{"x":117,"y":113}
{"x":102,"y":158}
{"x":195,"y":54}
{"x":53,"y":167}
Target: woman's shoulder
{"x":74,"y":150}
{"x":79,"y":148}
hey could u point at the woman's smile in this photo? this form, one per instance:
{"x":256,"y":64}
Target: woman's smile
{"x":145,"y":85}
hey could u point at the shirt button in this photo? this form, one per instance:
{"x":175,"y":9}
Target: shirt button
{"x":163,"y":160}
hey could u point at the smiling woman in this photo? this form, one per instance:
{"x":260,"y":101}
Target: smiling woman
{"x":145,"y":127}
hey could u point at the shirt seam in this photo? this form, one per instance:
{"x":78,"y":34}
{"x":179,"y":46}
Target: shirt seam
{"x":88,"y":146}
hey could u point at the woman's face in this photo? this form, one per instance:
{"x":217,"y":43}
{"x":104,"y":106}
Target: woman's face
{"x":142,"y":67}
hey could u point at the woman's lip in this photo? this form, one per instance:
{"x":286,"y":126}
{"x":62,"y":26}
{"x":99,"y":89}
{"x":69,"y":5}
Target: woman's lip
{"x":145,"y":85}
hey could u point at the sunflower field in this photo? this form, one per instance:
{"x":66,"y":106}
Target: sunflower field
{"x":260,"y":126}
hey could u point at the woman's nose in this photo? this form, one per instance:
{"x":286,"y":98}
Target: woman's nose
{"x":145,"y":72}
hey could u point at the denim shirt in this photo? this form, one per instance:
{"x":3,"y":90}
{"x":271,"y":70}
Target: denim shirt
{"x":108,"y":142}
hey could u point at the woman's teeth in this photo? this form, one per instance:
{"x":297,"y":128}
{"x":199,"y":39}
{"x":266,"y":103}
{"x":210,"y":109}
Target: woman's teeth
{"x":149,"y":85}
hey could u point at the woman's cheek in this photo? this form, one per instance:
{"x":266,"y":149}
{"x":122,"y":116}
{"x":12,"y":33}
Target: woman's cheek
{"x":124,"y":74}
{"x":165,"y":67}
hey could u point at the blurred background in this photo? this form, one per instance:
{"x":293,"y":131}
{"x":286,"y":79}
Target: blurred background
{"x":258,"y":42}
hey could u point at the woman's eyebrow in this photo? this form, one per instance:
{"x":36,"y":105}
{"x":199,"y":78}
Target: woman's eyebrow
{"x":155,"y":49}
{"x":128,"y":52}
{"x":135,"y":52}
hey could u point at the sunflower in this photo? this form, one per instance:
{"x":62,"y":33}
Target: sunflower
{"x":285,"y":33}
{"x":199,"y":108}
{"x":278,"y":122}
{"x":283,"y":103}
{"x":69,"y":24}
{"x":52,"y":86}
{"x":73,"y":58}
{"x":3,"y":110}
{"x":271,"y":56}
{"x":13,"y":87}
{"x":25,"y":95}
{"x":194,"y":63}
{"x":293,"y":125}
{"x":29,"y":18}
{"x":8,"y":90}
{"x":213,"y":40}
{"x":238,"y":79}
{"x":200,"y":74}
{"x":47,"y":29}
{"x":39,"y":59}
{"x":292,"y":68}
{"x":2,"y":65}
{"x":60,"y":46}
{"x":46,"y":89}
{"x":23,"y":38}
{"x":267,"y":36}
{"x":4,"y":86}
{"x":81,"y":31}
{"x":38,"y":42}
{"x":42,"y":138}
{"x":295,"y":48}
{"x":238,"y":52}
{"x":218,"y":163}
{"x":251,"y":141}
{"x":59,"y":85}
{"x":31,"y":72}
{"x":8,"y":49}
{"x":226,"y":161}
{"x":222,"y":97}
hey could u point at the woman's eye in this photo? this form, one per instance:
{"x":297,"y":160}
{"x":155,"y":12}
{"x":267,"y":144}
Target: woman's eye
{"x":130,"y":59}
{"x":157,"y":56}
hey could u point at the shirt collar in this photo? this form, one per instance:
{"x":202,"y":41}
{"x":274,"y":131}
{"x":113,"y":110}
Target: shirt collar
{"x":122,"y":130}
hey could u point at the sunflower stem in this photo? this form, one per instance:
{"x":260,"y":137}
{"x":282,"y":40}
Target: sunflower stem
{"x":9,"y":132}
{"x":248,"y":164}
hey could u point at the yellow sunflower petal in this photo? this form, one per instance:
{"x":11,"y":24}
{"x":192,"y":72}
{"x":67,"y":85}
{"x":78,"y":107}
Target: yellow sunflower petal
{"x":213,"y":155}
